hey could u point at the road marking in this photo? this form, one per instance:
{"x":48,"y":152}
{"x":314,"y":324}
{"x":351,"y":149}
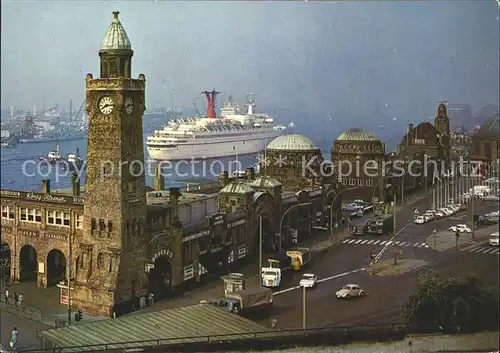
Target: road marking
{"x":364,"y":241}
{"x":321,"y":280}
{"x":402,"y":243}
{"x":478,"y":249}
{"x":473,"y":246}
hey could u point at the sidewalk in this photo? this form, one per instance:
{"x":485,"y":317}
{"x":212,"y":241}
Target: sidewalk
{"x":444,"y":240}
{"x":39,"y":304}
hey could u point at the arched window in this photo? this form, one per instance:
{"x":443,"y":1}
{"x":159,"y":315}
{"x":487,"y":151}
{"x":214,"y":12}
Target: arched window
{"x":100,"y":261}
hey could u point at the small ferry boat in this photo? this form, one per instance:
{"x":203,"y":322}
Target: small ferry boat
{"x":54,"y":156}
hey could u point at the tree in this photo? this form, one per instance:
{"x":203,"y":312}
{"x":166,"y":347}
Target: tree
{"x":453,"y":304}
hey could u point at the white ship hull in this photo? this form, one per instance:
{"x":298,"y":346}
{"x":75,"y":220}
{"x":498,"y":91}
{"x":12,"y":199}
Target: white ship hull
{"x":218,"y":148}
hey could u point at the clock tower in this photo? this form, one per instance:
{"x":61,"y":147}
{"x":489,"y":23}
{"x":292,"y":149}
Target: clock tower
{"x":442,"y":125}
{"x":110,"y":274}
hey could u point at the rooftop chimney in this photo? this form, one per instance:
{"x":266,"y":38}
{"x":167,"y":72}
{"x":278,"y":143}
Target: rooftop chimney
{"x":174,"y":193}
{"x":250,"y":173}
{"x":224,"y":178}
{"x":159,"y":179}
{"x":46,"y":186}
{"x":75,"y":183}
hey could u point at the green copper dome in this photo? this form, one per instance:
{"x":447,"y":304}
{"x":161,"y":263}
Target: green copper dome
{"x":115,"y":38}
{"x":490,"y":128}
{"x":291,"y":142}
{"x":357,"y":135}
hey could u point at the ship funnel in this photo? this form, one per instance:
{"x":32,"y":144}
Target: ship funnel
{"x":211,"y":96}
{"x":251,"y":104}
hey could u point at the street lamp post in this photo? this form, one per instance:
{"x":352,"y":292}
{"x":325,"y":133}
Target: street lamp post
{"x":394,"y":230}
{"x":283,"y":217}
{"x":304,"y":306}
{"x":259,"y":275}
{"x":331,"y":212}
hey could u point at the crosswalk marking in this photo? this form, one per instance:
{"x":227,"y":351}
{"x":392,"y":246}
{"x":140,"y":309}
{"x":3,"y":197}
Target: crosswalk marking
{"x":483,"y":250}
{"x":384,"y":242}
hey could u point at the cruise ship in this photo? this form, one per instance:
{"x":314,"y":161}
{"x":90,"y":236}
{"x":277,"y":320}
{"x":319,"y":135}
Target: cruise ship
{"x":233,"y":133}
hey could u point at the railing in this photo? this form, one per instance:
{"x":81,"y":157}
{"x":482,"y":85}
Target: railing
{"x":226,"y":338}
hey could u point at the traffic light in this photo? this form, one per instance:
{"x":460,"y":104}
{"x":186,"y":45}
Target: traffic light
{"x":78,"y":315}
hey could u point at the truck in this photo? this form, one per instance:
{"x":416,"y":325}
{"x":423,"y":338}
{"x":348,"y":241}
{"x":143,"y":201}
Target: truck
{"x":293,"y":259}
{"x":300,"y":257}
{"x":246,"y":302}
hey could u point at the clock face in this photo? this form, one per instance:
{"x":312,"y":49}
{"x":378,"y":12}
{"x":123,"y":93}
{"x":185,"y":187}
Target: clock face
{"x":129,"y":105}
{"x":106,"y":105}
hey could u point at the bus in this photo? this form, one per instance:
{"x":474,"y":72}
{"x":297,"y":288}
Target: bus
{"x":381,"y":224}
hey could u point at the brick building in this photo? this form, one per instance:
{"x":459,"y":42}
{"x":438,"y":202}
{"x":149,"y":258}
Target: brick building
{"x":358,"y":157}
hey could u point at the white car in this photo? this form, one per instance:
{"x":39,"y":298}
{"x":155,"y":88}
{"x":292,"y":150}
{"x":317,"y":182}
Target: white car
{"x":308,"y":280}
{"x":431,"y":215}
{"x":349,"y":291}
{"x":461,"y":228}
{"x":420,"y":220}
{"x":446,"y":211}
{"x":493,"y":241}
{"x":440,"y":214}
{"x":351,"y":207}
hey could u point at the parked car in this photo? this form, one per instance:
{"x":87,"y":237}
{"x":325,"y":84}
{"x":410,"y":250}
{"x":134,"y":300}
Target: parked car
{"x":421,"y":220}
{"x":461,"y":228}
{"x":430,"y":216}
{"x":440,"y":214}
{"x":309,"y":280}
{"x":349,"y":291}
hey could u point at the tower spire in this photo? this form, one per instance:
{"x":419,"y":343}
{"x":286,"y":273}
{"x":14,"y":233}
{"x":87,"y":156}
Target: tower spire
{"x":116,"y":51}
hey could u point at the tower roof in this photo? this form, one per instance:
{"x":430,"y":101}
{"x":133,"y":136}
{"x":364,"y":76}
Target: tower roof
{"x":115,"y":38}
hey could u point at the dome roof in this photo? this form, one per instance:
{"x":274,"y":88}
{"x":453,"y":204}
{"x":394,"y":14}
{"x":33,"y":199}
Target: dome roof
{"x":490,"y":128}
{"x":357,"y":135}
{"x":115,"y":38}
{"x":291,"y":142}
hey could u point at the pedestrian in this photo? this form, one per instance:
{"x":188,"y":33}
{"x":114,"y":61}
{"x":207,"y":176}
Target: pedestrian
{"x":21,"y":298}
{"x":14,"y":335}
{"x":6,"y":295}
{"x":15,"y":298}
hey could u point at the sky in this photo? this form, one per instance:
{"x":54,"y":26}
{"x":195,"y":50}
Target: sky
{"x":342,"y":59}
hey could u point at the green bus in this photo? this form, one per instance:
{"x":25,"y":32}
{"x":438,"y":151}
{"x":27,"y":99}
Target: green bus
{"x":381,"y":224}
